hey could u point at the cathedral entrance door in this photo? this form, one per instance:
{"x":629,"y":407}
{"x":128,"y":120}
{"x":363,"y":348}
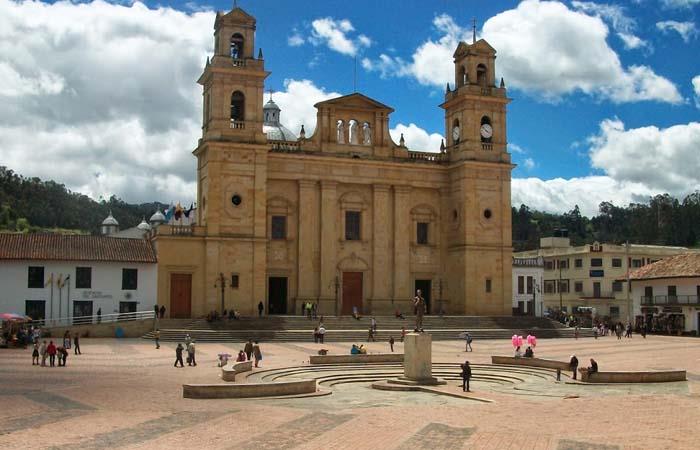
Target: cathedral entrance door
{"x":352,"y":292}
{"x":425,"y":289}
{"x":180,"y":295}
{"x":277,"y":295}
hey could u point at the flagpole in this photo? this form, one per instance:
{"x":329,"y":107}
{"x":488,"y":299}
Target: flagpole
{"x":60,"y":291}
{"x":51,"y":298}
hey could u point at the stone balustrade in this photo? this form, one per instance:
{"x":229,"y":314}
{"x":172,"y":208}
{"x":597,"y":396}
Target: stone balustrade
{"x":248,"y":390}
{"x":357,"y":359}
{"x":651,"y":376}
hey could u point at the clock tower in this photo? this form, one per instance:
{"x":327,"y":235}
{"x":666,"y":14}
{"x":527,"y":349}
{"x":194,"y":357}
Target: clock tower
{"x":479,"y":231}
{"x":475,"y":110}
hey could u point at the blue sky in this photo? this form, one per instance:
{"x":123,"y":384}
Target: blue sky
{"x":604,"y":105}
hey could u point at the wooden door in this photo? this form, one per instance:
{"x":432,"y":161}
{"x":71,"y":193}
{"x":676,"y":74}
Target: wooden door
{"x":180,"y":295}
{"x":352,"y":292}
{"x":277,"y":295}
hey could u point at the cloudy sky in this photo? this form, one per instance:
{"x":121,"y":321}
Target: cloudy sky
{"x":103,"y":97}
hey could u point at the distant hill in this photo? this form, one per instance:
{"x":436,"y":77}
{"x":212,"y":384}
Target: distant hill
{"x":33,"y":205}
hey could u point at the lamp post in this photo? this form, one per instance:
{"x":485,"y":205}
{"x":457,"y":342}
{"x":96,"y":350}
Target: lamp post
{"x":561,"y":303}
{"x":629,"y":302}
{"x":535,"y":290}
{"x":221,"y":283}
{"x":441,"y":286}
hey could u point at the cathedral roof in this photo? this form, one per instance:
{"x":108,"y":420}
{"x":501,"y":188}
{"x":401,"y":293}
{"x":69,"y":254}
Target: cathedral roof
{"x":272,"y":127}
{"x":355,"y":100}
{"x":110,"y":220}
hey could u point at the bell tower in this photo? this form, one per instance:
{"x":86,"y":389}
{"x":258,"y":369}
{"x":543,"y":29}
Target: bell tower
{"x":233,"y":81}
{"x":475,"y":110}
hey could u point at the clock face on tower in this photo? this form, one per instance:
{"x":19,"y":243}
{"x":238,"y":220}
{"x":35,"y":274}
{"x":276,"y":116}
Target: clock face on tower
{"x":455,"y":134}
{"x":486,"y":131}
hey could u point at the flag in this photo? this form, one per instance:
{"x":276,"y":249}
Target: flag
{"x":187,"y":212}
{"x":59,"y":282}
{"x":178,"y":211}
{"x":50,"y":281}
{"x":169,"y":213}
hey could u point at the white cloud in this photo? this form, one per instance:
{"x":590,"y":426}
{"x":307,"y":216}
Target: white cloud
{"x":295,"y":40}
{"x":515,"y":148}
{"x":529,"y":163}
{"x":545,"y":49}
{"x":664,"y":160}
{"x":696,"y":89}
{"x":416,"y":138}
{"x":297,"y":104}
{"x":687,"y":30}
{"x":335,"y":34}
{"x":623,"y":25}
{"x":560,"y":195}
{"x":85,"y":95}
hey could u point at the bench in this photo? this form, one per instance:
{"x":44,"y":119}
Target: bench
{"x":651,"y":376}
{"x":248,"y":390}
{"x":357,"y":359}
{"x":531,"y":362}
{"x":228,"y":372}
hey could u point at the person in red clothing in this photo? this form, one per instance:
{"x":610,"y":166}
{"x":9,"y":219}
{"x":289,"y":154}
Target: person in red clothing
{"x":51,"y":350}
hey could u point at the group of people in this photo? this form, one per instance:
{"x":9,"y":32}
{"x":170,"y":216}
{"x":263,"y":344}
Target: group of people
{"x":529,"y":352}
{"x":52,"y":352}
{"x":309,"y":309}
{"x":191,"y":352}
{"x":20,"y":335}
{"x":573,"y":365}
{"x":319,"y":333}
{"x":158,"y":311}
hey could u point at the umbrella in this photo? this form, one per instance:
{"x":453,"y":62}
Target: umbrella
{"x":12,"y":316}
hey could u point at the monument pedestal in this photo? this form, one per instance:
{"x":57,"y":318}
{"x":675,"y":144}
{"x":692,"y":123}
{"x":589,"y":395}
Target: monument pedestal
{"x":417,"y":363}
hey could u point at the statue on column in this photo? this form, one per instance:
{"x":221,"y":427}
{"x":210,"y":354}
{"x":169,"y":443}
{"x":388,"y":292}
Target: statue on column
{"x":419,"y":308}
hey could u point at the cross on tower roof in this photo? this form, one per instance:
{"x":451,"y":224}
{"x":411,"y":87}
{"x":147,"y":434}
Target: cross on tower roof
{"x":270,"y":91}
{"x":473,"y":30}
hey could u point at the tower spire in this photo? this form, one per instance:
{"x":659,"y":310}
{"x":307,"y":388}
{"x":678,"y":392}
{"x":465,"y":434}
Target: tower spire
{"x":270,"y":91}
{"x":473,"y":30}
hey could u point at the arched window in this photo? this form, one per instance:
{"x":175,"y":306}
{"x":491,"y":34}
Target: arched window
{"x":463,"y":77}
{"x":481,"y":75}
{"x":340,"y":132}
{"x":353,"y":128}
{"x":236,"y":46}
{"x":237,"y":107}
{"x":366,"y":134}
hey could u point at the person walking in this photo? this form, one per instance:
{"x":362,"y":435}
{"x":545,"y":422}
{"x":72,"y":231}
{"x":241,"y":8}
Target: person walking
{"x":248,"y":349}
{"x":419,"y":308}
{"x":62,"y":356}
{"x":76,"y":344}
{"x":629,"y":331}
{"x":577,"y":331}
{"x":66,"y":339}
{"x":468,"y":341}
{"x":99,"y":315}
{"x":191,"y":361}
{"x":35,"y":355}
{"x":403,"y":333}
{"x":391,"y":343}
{"x":261,"y":308}
{"x":573,"y":365}
{"x":466,"y":376}
{"x":643,"y":330}
{"x":257,"y":354}
{"x":370,"y":335}
{"x":155,"y":311}
{"x":156,"y":336}
{"x":51,"y":350}
{"x":178,"y":355}
{"x":162,"y":311}
{"x":373,"y":323}
{"x":43,"y":352}
{"x":188,"y":339}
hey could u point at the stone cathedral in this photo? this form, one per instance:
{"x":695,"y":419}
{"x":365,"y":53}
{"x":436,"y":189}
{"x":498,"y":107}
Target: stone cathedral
{"x":343,"y":217}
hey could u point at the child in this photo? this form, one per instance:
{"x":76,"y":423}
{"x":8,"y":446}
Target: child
{"x":35,"y":354}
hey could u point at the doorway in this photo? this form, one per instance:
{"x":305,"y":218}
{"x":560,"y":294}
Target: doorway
{"x":596,"y":289}
{"x":277,"y":295}
{"x":352,"y":292}
{"x":425,"y":289}
{"x":82,"y":311}
{"x":180,"y":295}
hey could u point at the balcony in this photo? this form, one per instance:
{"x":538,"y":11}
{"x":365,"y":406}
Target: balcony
{"x":238,"y":62}
{"x":673,"y":300}
{"x":486,"y":146}
{"x":237,"y":125}
{"x":428,"y":156}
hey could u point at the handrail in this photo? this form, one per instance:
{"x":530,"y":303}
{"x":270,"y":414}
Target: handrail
{"x":670,"y":300}
{"x":94,"y":319}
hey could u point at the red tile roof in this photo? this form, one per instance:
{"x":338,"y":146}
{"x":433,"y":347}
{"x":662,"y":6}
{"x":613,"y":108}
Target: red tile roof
{"x":685,"y":265}
{"x":57,"y":247}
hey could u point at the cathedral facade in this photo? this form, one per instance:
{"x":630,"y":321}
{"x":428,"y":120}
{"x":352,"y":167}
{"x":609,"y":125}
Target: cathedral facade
{"x":345,"y":217}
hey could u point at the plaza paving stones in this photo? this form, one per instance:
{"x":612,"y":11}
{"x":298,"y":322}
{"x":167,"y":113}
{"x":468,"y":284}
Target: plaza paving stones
{"x":126,"y":394}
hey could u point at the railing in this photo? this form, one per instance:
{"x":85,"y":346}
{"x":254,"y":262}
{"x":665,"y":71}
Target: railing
{"x":238,"y":62}
{"x":427,"y":156}
{"x":485,"y":91}
{"x":486,"y":146}
{"x":238,"y":124}
{"x":94,"y":319}
{"x":670,"y":300}
{"x":285,"y":147}
{"x":181,"y":230}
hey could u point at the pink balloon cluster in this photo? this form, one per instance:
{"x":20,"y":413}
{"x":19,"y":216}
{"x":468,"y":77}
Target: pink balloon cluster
{"x":517,"y":341}
{"x":531,"y":340}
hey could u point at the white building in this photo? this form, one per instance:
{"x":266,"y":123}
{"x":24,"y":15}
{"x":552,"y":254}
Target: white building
{"x":527,"y":286}
{"x":666,"y":294}
{"x":50,"y":276}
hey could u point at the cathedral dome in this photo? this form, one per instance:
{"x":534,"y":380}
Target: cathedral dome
{"x":272,"y":127}
{"x":110,"y":220}
{"x":143,"y":225}
{"x":157,"y":218}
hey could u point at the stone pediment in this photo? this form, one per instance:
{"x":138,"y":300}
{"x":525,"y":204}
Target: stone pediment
{"x":479,"y":47}
{"x":355,"y":101}
{"x":237,"y":15}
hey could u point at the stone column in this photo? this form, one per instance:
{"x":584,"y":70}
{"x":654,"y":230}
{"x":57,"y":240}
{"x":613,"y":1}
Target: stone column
{"x":306,"y":241}
{"x":329,"y":240}
{"x":402,"y":230}
{"x":381,"y":249}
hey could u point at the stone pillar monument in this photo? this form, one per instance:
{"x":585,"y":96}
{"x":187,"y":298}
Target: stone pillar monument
{"x":417,"y":360}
